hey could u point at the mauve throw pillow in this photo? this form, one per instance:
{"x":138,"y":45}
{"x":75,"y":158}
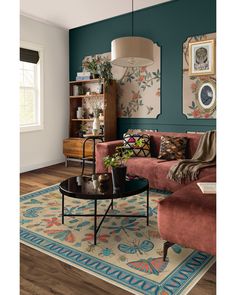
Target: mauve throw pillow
{"x":172,"y":148}
{"x":139,"y":143}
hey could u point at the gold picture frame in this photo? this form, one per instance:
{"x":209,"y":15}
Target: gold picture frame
{"x":202,"y":57}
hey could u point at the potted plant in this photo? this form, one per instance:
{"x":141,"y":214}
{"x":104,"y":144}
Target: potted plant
{"x":105,"y":72}
{"x":117,"y":164}
{"x":92,"y":66}
{"x":99,"y":68}
{"x":82,"y":130}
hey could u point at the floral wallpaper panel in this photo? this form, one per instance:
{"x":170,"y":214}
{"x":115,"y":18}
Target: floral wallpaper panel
{"x":138,"y":88}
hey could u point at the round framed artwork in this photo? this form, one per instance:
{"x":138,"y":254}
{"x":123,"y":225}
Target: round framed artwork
{"x":206,"y":97}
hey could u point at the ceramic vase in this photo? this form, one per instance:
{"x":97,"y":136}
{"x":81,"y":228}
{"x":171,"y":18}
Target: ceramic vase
{"x":118,"y":177}
{"x":96,"y":126}
{"x":79,"y":113}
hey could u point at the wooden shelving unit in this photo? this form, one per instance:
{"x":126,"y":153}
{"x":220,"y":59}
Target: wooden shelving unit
{"x":72,"y":146}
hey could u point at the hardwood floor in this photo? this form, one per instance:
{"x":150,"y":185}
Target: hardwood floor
{"x":41,"y":274}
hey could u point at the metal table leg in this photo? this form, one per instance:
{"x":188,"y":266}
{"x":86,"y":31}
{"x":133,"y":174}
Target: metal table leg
{"x":95,"y":222}
{"x":62,"y":209}
{"x":148,"y":206}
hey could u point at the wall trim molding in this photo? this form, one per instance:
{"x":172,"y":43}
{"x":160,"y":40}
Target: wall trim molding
{"x":46,"y":22}
{"x":41,"y":165}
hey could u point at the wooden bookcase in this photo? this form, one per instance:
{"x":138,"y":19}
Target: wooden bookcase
{"x":72,"y":146}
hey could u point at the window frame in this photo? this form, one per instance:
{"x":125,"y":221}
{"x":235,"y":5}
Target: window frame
{"x":40,"y":74}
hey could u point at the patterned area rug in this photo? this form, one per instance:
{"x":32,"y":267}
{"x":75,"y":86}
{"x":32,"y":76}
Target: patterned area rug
{"x":128,"y":253}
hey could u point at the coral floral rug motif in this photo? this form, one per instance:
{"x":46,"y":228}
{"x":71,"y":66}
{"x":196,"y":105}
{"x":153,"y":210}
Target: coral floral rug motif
{"x":128,"y":252}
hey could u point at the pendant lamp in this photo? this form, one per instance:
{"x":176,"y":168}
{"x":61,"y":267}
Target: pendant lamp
{"x":132,"y":51}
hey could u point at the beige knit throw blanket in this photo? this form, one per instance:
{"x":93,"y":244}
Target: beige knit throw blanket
{"x":205,"y":156}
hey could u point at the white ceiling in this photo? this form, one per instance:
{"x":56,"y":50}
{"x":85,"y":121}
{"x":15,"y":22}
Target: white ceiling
{"x":69,"y":14}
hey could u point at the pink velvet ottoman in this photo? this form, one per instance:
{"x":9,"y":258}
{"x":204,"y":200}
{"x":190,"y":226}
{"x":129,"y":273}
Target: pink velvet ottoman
{"x":188,"y":218}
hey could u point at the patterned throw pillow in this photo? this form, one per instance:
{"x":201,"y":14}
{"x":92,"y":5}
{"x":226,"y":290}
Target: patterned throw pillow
{"x":172,"y":148}
{"x":139,"y":143}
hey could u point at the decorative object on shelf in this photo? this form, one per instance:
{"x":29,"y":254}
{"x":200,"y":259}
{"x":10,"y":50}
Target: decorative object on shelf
{"x":132,"y":51}
{"x":96,"y":125}
{"x":75,"y":90}
{"x":79,"y":113}
{"x":83,"y":129}
{"x":81,"y":90}
{"x":202,"y":57}
{"x":81,"y":76}
{"x":117,"y":164}
{"x":100,"y":87}
{"x":101,"y":116}
{"x":193,"y":106}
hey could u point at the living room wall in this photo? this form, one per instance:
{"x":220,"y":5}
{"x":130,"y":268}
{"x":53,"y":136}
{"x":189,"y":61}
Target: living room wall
{"x":44,"y":147}
{"x":168,"y":24}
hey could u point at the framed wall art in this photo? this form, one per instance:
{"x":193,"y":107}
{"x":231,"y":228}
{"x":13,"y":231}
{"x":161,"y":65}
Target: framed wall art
{"x":202,"y":57}
{"x":199,"y":90}
{"x":206,"y":97}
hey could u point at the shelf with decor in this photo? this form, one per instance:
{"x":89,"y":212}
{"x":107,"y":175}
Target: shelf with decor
{"x":85,"y":95}
{"x":99,"y":80}
{"x":87,"y":120}
{"x":90,"y":99}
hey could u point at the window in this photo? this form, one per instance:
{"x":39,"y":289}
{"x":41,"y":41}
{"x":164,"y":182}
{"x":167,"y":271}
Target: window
{"x":30,"y":87}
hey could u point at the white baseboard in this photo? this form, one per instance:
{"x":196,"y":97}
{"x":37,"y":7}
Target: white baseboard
{"x":41,"y":165}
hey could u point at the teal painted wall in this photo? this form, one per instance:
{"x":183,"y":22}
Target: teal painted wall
{"x":168,"y":24}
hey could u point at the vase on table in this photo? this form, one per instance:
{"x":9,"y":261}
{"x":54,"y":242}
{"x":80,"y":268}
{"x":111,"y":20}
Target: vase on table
{"x":118,"y":177}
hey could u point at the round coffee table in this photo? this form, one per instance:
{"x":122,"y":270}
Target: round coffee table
{"x":90,"y":188}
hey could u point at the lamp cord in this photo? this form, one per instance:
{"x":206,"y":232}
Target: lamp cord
{"x":132,"y":17}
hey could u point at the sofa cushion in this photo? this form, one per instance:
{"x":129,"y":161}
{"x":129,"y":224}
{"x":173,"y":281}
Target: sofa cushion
{"x":172,"y":148}
{"x":193,"y":140}
{"x":138,"y":143}
{"x":144,"y":167}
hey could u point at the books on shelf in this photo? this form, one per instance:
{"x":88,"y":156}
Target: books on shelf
{"x":207,"y":187}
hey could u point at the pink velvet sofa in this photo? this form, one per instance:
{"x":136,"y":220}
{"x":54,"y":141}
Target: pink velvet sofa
{"x":155,"y":170}
{"x":187,"y":217}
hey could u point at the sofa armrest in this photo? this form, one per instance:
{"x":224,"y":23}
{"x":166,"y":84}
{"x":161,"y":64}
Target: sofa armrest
{"x":104,"y":149}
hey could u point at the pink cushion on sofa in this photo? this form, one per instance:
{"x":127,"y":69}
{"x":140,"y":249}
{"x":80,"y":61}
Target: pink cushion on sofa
{"x":193,"y":140}
{"x":144,"y":167}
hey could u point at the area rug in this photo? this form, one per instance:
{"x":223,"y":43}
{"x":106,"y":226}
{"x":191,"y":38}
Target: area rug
{"x":128,"y":253}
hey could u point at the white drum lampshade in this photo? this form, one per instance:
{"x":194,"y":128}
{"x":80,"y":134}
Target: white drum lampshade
{"x":132,"y":52}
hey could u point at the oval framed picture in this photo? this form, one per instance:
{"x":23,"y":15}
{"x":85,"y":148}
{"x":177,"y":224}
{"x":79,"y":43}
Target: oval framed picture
{"x":206,"y":97}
